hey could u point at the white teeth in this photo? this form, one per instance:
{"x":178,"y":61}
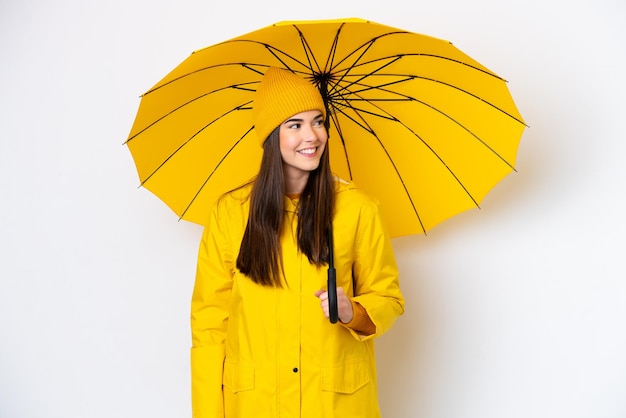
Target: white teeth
{"x":307,"y":151}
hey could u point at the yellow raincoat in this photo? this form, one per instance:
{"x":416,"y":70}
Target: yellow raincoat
{"x":267,"y":352}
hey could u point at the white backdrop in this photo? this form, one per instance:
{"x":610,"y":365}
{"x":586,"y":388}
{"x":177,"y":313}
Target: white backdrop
{"x":514,"y":310}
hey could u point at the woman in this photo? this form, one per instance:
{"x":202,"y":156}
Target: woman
{"x":262,"y":343}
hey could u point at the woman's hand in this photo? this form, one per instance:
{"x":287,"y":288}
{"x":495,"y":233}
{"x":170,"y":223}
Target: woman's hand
{"x":344,"y":306}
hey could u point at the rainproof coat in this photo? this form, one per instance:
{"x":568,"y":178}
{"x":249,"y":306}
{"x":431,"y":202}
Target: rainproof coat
{"x":266,"y":352}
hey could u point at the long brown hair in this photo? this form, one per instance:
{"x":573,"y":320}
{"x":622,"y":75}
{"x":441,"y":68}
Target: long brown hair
{"x":260,"y":256}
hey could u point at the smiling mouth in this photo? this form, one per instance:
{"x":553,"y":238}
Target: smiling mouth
{"x":308,"y":151}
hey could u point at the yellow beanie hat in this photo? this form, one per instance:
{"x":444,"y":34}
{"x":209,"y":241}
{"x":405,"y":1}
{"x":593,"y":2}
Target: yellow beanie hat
{"x":280,"y":95}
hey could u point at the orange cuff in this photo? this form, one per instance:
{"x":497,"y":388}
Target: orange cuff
{"x":361,"y":321}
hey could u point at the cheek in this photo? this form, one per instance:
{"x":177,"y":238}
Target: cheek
{"x":323,"y":136}
{"x":285,"y":142}
{"x":324,"y":140}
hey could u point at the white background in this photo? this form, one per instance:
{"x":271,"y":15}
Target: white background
{"x":514,"y":310}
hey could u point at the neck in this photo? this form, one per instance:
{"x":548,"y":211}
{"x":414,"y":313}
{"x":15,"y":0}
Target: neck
{"x":295,"y":185}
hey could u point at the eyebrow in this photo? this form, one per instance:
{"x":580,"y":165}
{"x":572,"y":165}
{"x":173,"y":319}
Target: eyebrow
{"x":319,"y":116}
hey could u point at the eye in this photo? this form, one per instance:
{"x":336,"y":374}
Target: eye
{"x":294,"y":126}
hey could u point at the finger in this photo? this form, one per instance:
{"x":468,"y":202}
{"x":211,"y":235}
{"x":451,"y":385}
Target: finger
{"x":344,"y":306}
{"x":325,"y":311}
{"x":320,"y":292}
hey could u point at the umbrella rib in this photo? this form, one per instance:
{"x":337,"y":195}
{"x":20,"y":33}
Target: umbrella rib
{"x":271,"y":50}
{"x":199,"y":70}
{"x":352,"y":66}
{"x":409,"y":77}
{"x":241,"y":86}
{"x":274,"y":52}
{"x":409,"y":98}
{"x":188,"y":140}
{"x":373,"y":40}
{"x":419,"y":54}
{"x":308,"y":51}
{"x":393,"y":58}
{"x":331,"y":57}
{"x":217,"y":166}
{"x":432,"y":150}
{"x":267,"y":46}
{"x":365,"y":46}
{"x":363,"y":124}
{"x":343,"y":142}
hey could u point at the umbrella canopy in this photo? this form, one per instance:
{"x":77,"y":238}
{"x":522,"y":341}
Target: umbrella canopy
{"x":413,"y":121}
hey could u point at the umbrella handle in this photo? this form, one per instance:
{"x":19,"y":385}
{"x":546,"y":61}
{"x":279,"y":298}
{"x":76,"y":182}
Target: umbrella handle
{"x":333,"y":311}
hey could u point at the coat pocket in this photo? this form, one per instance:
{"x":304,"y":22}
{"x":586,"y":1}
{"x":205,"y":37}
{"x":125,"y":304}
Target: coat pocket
{"x":347,"y":378}
{"x":238,"y":378}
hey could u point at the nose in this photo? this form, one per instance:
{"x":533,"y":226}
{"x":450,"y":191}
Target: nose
{"x":309,"y":133}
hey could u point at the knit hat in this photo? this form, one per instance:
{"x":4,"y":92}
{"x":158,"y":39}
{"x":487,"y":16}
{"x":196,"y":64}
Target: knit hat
{"x":282,"y":94}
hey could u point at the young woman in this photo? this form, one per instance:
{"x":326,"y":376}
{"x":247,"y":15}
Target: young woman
{"x":262,"y":344}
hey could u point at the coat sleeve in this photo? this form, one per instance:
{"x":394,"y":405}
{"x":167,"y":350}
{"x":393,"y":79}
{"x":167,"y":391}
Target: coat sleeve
{"x":375,"y":272}
{"x":209,"y":319}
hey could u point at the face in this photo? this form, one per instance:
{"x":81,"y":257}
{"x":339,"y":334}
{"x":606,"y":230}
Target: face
{"x":303,"y":139}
